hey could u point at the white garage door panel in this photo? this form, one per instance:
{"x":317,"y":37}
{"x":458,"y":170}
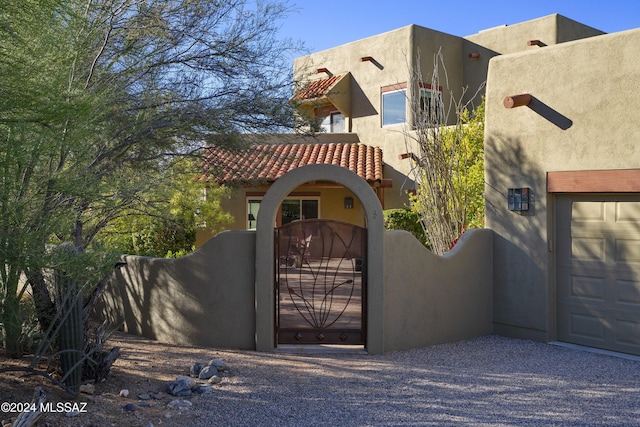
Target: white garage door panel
{"x":629,"y":293}
{"x":598,"y":271}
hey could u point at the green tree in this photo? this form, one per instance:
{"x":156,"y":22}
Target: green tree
{"x":96,"y":96}
{"x":166,"y":221}
{"x":448,"y":165}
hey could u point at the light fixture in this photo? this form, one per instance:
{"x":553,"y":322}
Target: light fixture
{"x":251,"y":217}
{"x":474,"y":55}
{"x":348,"y":202}
{"x":518,"y":199}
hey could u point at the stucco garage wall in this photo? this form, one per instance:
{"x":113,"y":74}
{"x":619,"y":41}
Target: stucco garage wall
{"x":432,"y":299}
{"x":206,"y":298}
{"x":583,"y":117}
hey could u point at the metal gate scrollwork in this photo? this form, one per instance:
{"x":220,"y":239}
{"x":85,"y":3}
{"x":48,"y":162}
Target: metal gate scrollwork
{"x":320,"y":282}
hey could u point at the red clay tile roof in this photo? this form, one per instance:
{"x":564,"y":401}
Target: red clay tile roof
{"x":263,"y":164}
{"x":317,"y":88}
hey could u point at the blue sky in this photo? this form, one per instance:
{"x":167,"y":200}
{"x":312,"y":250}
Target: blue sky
{"x":322,"y":25}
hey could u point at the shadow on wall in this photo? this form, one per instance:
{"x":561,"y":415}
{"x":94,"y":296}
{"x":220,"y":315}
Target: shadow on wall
{"x":520,"y":247}
{"x":431,"y":299}
{"x":208,"y":298}
{"x":205,"y":298}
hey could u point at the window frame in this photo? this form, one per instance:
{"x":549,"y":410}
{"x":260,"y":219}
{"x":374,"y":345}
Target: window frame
{"x":385,"y":93}
{"x":427,"y":88}
{"x":279,"y":218}
{"x":328,"y":123}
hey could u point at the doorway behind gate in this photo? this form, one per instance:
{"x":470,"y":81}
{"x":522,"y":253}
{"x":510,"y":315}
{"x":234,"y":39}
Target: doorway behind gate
{"x":320,"y":283}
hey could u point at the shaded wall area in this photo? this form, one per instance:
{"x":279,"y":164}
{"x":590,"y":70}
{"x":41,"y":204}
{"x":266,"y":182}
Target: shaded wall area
{"x":431,"y":299}
{"x":204,"y":299}
{"x":208,"y":298}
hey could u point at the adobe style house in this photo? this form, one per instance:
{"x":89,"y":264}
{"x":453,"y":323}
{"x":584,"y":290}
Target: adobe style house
{"x":559,"y":259}
{"x":360,"y":93}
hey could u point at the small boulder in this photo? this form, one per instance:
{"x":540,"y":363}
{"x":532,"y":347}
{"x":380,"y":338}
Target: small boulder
{"x":207,"y":372}
{"x":218,"y":363}
{"x":181,"y":386}
{"x":195,"y":369}
{"x":87,"y":388}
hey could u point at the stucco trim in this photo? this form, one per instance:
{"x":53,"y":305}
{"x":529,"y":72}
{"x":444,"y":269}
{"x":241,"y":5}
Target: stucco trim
{"x":265,"y":264}
{"x":594,"y":181}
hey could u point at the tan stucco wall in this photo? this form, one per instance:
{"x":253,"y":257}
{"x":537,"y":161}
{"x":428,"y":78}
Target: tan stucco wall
{"x":432,"y":299}
{"x":395,"y":52}
{"x":205,"y":298}
{"x":222,"y":295}
{"x":583,"y":117}
{"x":550,"y":29}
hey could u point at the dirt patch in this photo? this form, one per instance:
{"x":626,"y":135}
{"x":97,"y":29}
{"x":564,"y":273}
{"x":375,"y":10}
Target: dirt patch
{"x":144,"y":367}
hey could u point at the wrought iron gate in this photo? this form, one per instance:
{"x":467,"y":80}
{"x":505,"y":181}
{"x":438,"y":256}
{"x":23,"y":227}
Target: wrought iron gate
{"x":320,"y":283}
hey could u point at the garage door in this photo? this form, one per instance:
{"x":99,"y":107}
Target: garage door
{"x":598,"y":271}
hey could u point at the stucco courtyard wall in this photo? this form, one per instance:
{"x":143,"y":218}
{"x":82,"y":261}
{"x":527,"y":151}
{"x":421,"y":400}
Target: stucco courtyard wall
{"x":208,"y":298}
{"x":431,"y":299}
{"x":204,"y":299}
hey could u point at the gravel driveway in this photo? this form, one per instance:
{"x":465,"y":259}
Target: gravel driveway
{"x":486,"y":381}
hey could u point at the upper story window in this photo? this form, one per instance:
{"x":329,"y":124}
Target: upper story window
{"x":333,"y":123}
{"x":394,"y":107}
{"x":430,"y":105}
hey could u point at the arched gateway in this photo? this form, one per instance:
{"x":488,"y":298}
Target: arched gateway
{"x":265,"y":255}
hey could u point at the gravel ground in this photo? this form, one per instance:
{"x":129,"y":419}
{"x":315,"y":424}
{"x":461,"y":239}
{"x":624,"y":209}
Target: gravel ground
{"x":485,"y":381}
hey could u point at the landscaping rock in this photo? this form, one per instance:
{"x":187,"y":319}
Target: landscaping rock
{"x":207,"y":372}
{"x":195,"y":369}
{"x":87,"y":389}
{"x":219,"y":364}
{"x":215,"y":380}
{"x":181,"y":386}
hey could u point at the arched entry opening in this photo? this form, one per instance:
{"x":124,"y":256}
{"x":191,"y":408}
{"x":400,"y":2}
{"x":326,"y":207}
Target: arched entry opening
{"x":266,"y":256}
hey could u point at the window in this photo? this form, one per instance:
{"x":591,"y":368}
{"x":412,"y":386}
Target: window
{"x":430,"y":105}
{"x":297,"y":209}
{"x":253,"y":206}
{"x":394,"y":109}
{"x":293,"y":209}
{"x":333,"y":123}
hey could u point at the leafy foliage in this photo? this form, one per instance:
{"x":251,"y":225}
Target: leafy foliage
{"x":97,"y":99}
{"x":448,"y":165}
{"x":166,"y":223}
{"x":404,"y":219}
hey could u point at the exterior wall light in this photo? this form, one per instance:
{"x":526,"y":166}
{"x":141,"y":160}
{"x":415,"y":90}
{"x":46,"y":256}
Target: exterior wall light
{"x":348,"y":202}
{"x":518,"y":199}
{"x":474,"y":55}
